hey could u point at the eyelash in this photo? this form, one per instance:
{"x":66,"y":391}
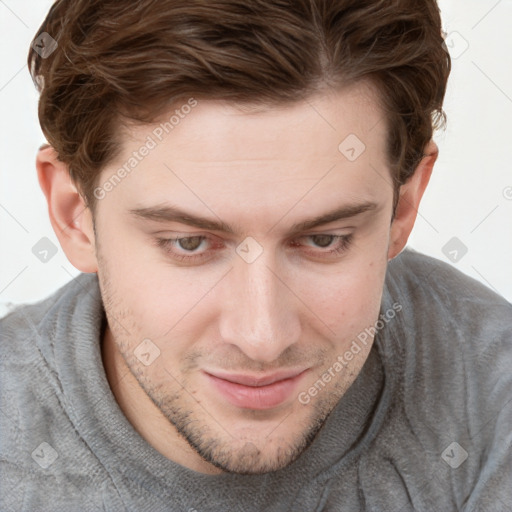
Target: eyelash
{"x":166,"y":244}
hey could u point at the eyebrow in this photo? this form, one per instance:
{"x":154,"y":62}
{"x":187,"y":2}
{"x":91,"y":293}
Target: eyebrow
{"x":171,"y":213}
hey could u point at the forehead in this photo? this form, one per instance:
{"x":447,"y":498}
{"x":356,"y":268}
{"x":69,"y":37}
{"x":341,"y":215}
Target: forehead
{"x":331,"y":145}
{"x":218,"y":129}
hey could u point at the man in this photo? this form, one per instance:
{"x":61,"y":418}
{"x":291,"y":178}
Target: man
{"x":237,"y":182}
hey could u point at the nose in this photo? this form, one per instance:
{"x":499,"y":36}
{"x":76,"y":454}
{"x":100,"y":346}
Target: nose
{"x":260,"y":314}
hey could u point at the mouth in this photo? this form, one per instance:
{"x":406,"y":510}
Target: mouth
{"x":256,"y":392}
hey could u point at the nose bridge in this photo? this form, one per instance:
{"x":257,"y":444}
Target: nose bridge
{"x":262,"y":320}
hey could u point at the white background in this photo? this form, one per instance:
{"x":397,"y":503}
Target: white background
{"x":469,"y":197}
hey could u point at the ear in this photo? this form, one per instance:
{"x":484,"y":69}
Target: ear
{"x":71,"y":219}
{"x":410,"y":196}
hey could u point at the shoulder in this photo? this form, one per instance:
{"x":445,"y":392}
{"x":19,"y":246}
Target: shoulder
{"x":450,"y":324}
{"x":27,"y":341}
{"x":34,"y":419}
{"x":29,"y":328}
{"x":455,"y":337}
{"x":28,"y":335}
{"x":432,"y":289}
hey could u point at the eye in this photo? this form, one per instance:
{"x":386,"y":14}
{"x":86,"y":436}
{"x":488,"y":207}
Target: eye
{"x":185,"y":248}
{"x":322,"y":240}
{"x":338,"y":243}
{"x":190,"y":243}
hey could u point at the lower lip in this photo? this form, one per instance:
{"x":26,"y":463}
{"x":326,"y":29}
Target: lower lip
{"x":258,"y":398}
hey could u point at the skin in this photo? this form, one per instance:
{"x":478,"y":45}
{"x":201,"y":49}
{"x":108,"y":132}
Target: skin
{"x":294,"y":307}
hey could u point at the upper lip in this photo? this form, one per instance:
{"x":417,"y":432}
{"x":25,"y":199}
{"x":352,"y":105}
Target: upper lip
{"x":257,"y":380}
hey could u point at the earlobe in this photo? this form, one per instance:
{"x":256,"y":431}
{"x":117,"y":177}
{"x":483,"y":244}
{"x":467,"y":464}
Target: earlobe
{"x":71,"y":219}
{"x":411,"y":193}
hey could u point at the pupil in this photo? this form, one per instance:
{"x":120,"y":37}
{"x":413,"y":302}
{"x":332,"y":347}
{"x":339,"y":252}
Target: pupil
{"x":191,"y":243}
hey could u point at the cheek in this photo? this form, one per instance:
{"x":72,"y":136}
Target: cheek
{"x":156,"y":300}
{"x":130,"y":280}
{"x":348,"y":299}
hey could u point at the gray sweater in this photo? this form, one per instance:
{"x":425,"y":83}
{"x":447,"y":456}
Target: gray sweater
{"x":426,"y":426}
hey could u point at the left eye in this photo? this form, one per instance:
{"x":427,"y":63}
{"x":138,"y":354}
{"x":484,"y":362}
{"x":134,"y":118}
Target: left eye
{"x":326,"y":241}
{"x":322,"y":241}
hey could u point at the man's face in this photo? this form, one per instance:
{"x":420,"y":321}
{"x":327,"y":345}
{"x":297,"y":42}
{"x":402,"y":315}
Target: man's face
{"x":239,"y":322}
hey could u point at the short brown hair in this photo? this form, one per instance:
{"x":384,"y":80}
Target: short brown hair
{"x":125,"y":60}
